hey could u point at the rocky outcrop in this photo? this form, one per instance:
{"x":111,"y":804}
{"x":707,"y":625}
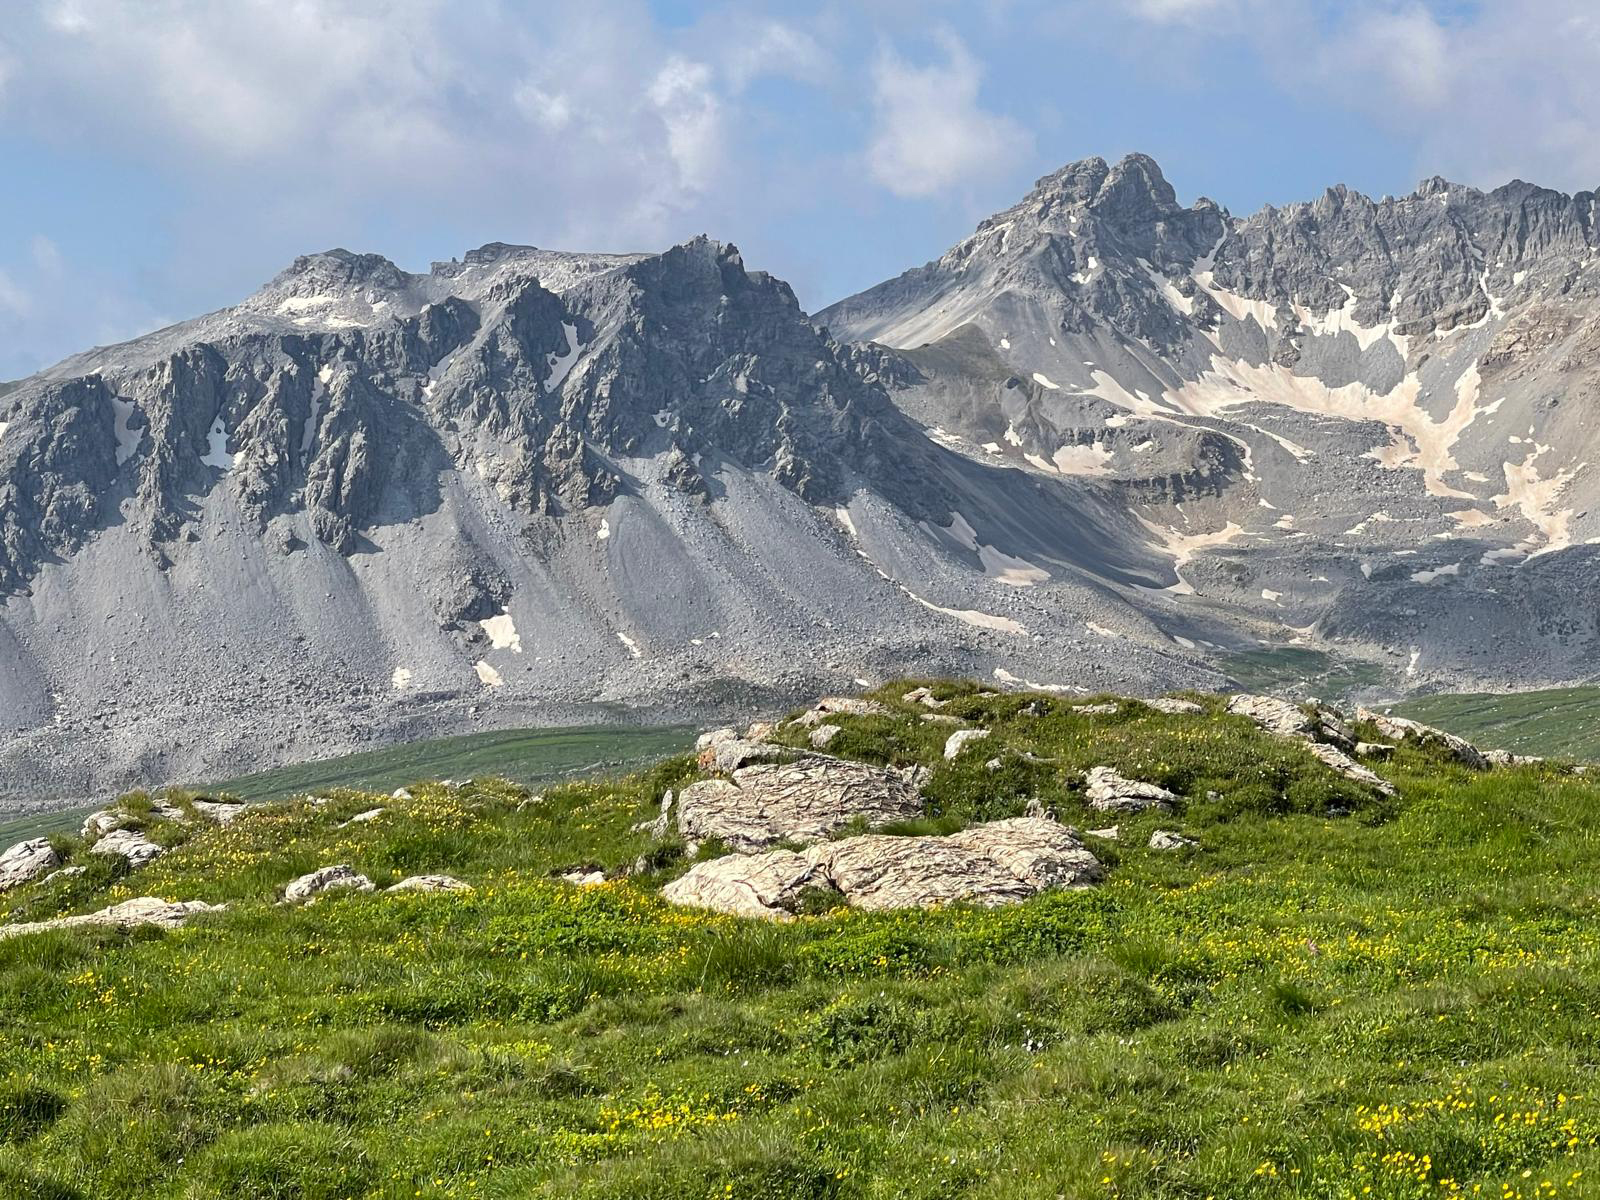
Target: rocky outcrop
{"x":130,"y":914}
{"x":1341,"y":763}
{"x":726,"y":751}
{"x":1109,"y":792}
{"x":324,"y":880}
{"x":1285,"y":719}
{"x":27,"y":861}
{"x":840,"y":706}
{"x":802,"y":801}
{"x":1401,"y":729}
{"x":1001,"y":862}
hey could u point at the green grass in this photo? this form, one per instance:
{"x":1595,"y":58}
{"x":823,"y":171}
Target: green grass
{"x":529,"y":756}
{"x":1557,"y":721}
{"x":1310,"y":672}
{"x":1404,"y":999}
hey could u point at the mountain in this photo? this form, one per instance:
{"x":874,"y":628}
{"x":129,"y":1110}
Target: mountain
{"x":1108,"y":441}
{"x":523,"y":487}
{"x":1371,"y":424}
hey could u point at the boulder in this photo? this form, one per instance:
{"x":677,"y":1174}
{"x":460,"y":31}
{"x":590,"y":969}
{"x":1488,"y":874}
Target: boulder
{"x":143,"y":910}
{"x":1173,"y":706}
{"x":1400,"y":729}
{"x":1374,"y":750}
{"x":325,"y":879}
{"x":129,"y":844}
{"x":361,"y":818}
{"x":940,"y":718}
{"x":1001,"y":862}
{"x":925,"y":697}
{"x":98,"y":824}
{"x":803,"y":801}
{"x":27,"y":861}
{"x":1110,"y":792}
{"x":583,"y":876}
{"x":1096,"y":710}
{"x":430,"y":883}
{"x":745,"y":885}
{"x":960,"y":739}
{"x":1167,"y":839}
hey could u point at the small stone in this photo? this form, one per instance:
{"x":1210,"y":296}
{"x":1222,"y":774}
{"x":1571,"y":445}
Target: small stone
{"x":361,"y":818}
{"x":584,"y":877}
{"x":940,"y":719}
{"x":400,"y":794}
{"x":1167,"y":839}
{"x":993,"y":765}
{"x":823,"y":734}
{"x":958,"y":740}
{"x":1111,"y":833}
{"x":1096,"y":710}
{"x":1374,"y":750}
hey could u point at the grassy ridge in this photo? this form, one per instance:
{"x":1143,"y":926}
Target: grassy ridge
{"x":1402,"y":999}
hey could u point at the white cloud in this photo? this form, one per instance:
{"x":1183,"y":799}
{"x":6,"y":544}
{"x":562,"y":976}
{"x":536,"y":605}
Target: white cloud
{"x":682,"y":93}
{"x":1177,"y":10}
{"x":931,"y":132}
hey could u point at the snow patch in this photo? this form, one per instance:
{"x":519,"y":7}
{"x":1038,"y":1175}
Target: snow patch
{"x":401,"y":679}
{"x":561,"y":364}
{"x":604,"y":531}
{"x":127,"y":439}
{"x":217,"y":456}
{"x":1044,"y":381}
{"x":633,"y":646}
{"x":502,"y":631}
{"x":487,"y":675}
{"x":1436,"y":573}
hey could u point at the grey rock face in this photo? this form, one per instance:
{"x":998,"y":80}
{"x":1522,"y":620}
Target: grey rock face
{"x":802,"y":801}
{"x":27,"y":861}
{"x":1001,"y":862}
{"x":339,"y":510}
{"x":1359,"y":420}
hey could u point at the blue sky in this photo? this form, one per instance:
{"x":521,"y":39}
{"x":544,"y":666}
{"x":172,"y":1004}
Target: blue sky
{"x":166,"y":157}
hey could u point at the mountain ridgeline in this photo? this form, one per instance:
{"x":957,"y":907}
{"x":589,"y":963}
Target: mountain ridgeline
{"x":1107,"y":441}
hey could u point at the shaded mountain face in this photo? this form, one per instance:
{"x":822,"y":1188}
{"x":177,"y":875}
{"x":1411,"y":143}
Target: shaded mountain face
{"x":523,"y":486}
{"x":1368,"y":426}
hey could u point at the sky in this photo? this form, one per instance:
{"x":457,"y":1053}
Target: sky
{"x":163,"y":158}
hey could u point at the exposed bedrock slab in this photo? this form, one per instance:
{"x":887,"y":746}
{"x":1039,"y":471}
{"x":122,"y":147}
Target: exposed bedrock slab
{"x":1001,"y":862}
{"x":142,"y":910}
{"x":802,"y":801}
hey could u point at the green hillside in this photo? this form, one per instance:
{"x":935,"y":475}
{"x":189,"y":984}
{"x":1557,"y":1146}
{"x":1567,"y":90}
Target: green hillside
{"x":1337,"y":994}
{"x":1557,"y":721}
